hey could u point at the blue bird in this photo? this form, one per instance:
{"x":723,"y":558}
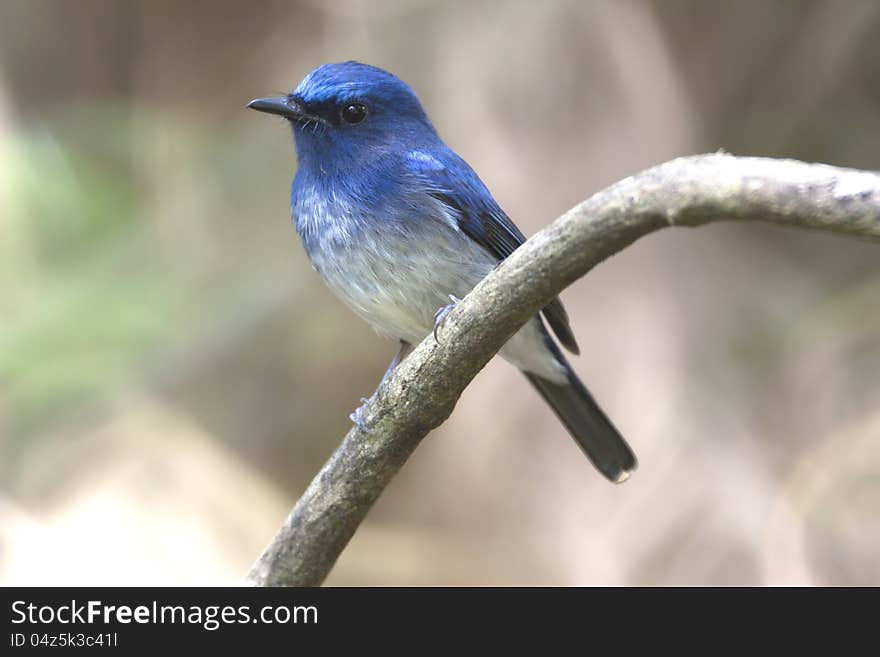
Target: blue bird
{"x":398,"y":225}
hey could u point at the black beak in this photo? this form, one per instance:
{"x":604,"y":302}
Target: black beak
{"x":286,"y":107}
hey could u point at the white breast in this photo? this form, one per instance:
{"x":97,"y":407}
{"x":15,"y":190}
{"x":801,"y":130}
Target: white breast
{"x":397,"y":275}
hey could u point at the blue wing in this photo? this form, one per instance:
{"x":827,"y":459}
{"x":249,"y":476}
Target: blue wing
{"x":448,"y":178}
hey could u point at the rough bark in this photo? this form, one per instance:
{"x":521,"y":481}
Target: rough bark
{"x":423,"y":390}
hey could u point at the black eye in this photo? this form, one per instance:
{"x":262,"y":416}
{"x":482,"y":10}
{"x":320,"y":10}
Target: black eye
{"x":354,"y":113}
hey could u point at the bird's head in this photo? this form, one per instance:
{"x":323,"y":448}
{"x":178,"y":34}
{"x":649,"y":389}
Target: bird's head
{"x":349,"y":111}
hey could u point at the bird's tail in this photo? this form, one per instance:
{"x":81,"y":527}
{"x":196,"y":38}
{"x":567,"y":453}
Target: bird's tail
{"x":587,"y":423}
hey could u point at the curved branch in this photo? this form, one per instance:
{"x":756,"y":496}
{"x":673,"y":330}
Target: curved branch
{"x":423,"y":390}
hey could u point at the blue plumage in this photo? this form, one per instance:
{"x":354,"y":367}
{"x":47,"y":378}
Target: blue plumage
{"x":395,"y":222}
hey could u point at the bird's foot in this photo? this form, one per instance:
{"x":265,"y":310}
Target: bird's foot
{"x":359,"y":415}
{"x":440,"y":315}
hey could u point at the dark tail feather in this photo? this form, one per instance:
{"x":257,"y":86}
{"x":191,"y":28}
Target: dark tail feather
{"x":587,"y":424}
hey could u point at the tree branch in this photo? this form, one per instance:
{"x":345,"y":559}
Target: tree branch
{"x":423,"y":390}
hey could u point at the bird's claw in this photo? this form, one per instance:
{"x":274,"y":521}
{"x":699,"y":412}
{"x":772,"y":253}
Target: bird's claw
{"x":358,"y":417}
{"x":440,"y":315}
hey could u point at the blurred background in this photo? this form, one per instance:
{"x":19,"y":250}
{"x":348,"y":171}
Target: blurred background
{"x":172,"y":372}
